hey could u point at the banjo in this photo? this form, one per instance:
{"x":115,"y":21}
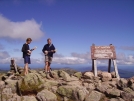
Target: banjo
{"x":31,"y":50}
{"x":46,"y":52}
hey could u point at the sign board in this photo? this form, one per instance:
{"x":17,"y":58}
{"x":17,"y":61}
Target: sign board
{"x":103,"y":52}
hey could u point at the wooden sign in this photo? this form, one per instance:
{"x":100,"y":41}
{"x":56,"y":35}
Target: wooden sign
{"x":103,"y":52}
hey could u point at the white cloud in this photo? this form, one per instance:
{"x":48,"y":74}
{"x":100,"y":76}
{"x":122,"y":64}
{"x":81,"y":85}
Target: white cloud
{"x":4,"y":54}
{"x":20,"y":30}
{"x":1,"y":47}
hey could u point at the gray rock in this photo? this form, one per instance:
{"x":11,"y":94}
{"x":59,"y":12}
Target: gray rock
{"x":67,"y":91}
{"x":54,"y":74}
{"x":78,"y":75}
{"x":113,"y":74}
{"x":29,"y":98}
{"x":116,"y":99}
{"x":81,"y":93}
{"x":106,"y":79}
{"x":88,"y":75}
{"x":2,"y":84}
{"x":12,"y":84}
{"x":65,"y":99}
{"x":42,"y":74}
{"x":103,"y":87}
{"x":64,"y":75}
{"x":105,"y":75}
{"x":128,"y":90}
{"x":73,"y":78}
{"x":91,"y":86}
{"x":132,"y":87}
{"x":127,"y":96}
{"x":31,"y":83}
{"x":54,"y":89}
{"x":122,"y":83}
{"x":16,"y":98}
{"x":50,"y":83}
{"x":46,"y":95}
{"x":74,"y":83}
{"x":94,"y":96}
{"x":113,"y":92}
{"x":6,"y":94}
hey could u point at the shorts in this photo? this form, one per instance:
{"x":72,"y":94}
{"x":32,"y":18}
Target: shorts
{"x":48,"y":59}
{"x":27,"y":60}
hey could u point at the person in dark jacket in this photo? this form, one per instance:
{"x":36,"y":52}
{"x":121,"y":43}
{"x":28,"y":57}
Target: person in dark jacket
{"x":48,"y":50}
{"x":26,"y":54}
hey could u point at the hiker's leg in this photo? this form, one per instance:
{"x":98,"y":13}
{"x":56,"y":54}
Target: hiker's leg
{"x":46,"y":66}
{"x":49,"y":66}
{"x":25,"y":68}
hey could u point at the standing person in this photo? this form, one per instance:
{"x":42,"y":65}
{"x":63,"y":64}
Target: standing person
{"x":26,"y":54}
{"x":48,"y":50}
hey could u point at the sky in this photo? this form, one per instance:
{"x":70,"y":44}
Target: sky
{"x":73,"y":26}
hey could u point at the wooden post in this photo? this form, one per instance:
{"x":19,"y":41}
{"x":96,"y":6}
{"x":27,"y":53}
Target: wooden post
{"x":95,"y":68}
{"x":92,"y":64}
{"x":115,"y":68}
{"x":109,"y":65}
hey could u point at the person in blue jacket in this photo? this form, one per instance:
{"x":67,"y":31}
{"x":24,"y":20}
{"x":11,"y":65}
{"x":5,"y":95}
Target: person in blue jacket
{"x":48,"y":50}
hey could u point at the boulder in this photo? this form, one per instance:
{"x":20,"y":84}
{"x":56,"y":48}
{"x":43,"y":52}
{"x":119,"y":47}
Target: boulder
{"x":67,"y":91}
{"x":113,"y":74}
{"x":132,"y":87}
{"x":113,"y":92}
{"x":81,"y":93}
{"x":105,"y":76}
{"x":74,"y":83}
{"x":42,"y":74}
{"x":122,"y":83}
{"x":127,"y":96}
{"x":2,"y":84}
{"x":64,"y":75}
{"x":28,"y":98}
{"x":30,"y":84}
{"x":91,"y":86}
{"x":103,"y":87}
{"x":46,"y":95}
{"x":94,"y":96}
{"x":88,"y":75}
{"x":50,"y":83}
{"x":78,"y":75}
{"x":12,"y":84}
{"x":116,"y":99}
{"x":6,"y":94}
{"x":54,"y":74}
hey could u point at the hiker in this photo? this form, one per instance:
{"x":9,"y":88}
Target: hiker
{"x":48,"y":50}
{"x":26,"y":55}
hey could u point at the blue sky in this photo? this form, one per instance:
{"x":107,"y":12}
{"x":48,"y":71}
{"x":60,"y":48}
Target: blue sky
{"x":73,"y":25}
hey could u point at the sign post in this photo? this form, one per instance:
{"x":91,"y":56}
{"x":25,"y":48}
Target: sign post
{"x":104,"y":52}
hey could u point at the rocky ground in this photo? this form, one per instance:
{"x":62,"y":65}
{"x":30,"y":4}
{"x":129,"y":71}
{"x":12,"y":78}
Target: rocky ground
{"x":63,"y":85}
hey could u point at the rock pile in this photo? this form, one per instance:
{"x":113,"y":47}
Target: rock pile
{"x":61,"y":86}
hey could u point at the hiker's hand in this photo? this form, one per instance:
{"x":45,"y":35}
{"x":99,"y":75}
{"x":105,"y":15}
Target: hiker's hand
{"x":52,"y":50}
{"x":29,"y":51}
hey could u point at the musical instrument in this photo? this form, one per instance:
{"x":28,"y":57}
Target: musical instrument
{"x":46,"y":52}
{"x":31,"y":50}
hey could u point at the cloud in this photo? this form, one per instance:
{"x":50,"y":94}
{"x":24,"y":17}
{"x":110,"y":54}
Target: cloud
{"x":4,"y":54}
{"x":75,"y":58}
{"x":20,"y":30}
{"x":130,"y":48}
{"x":16,"y":50}
{"x":1,"y":47}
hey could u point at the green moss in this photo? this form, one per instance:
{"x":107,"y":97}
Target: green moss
{"x":78,"y":75}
